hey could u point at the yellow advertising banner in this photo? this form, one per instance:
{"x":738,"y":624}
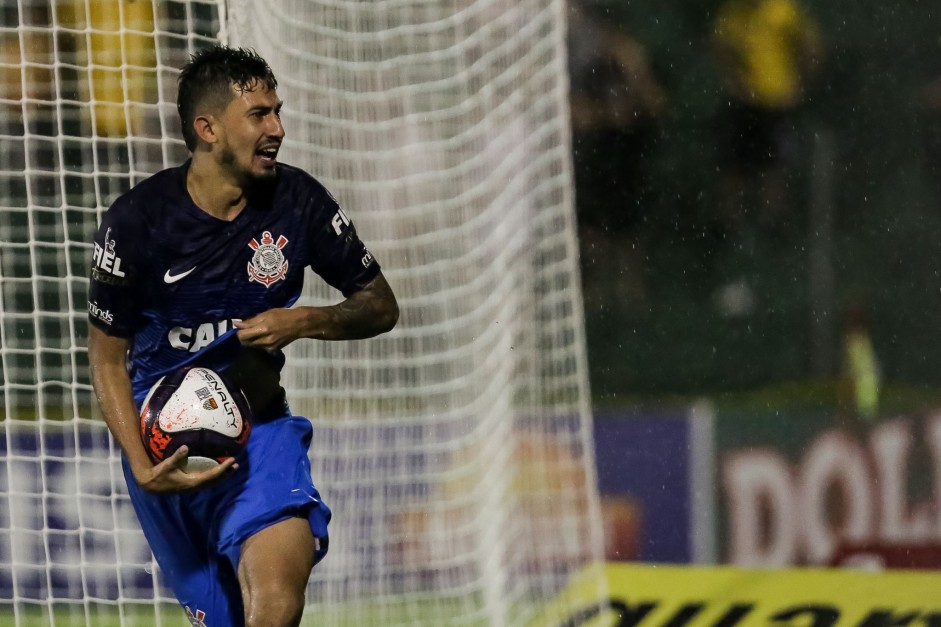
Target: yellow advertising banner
{"x":650,"y":595}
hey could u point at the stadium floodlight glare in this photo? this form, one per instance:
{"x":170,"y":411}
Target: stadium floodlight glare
{"x":456,"y":451}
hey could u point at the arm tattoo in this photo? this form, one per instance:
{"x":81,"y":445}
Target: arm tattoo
{"x":367,"y":313}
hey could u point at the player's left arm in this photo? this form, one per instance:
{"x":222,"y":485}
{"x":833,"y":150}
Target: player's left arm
{"x":365,"y":313}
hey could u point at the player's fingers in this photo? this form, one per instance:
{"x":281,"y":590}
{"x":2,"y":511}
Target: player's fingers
{"x":176,"y":460}
{"x":247,"y":338}
{"x":168,"y":475}
{"x":252,"y":326}
{"x":259,"y":337}
{"x":215,"y":473}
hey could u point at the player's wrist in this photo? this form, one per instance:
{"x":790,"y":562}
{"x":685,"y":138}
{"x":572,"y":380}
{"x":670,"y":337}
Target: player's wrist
{"x":141,"y":466}
{"x":311,"y":323}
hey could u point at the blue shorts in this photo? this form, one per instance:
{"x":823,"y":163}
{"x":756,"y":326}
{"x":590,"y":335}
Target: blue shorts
{"x":197,"y":536}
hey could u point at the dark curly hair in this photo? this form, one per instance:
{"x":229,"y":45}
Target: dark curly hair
{"x":207,"y":80}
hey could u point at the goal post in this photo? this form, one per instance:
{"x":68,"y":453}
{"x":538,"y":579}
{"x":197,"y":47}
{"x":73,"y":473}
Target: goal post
{"x":456,"y":451}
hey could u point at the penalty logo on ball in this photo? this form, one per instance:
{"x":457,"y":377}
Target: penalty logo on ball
{"x":199,"y":408}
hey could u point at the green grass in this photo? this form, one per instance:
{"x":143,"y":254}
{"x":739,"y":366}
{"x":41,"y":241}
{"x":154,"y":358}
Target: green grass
{"x":95,"y":615}
{"x":414,"y":612}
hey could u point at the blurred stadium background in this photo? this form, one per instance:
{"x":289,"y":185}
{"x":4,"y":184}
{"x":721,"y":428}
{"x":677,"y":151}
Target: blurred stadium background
{"x":511,"y":432}
{"x":866,"y":107}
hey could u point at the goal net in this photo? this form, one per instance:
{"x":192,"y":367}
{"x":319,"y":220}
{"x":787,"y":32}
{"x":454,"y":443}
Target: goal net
{"x":456,"y":451}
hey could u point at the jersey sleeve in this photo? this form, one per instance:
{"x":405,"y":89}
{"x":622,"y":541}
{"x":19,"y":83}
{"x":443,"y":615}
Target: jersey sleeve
{"x":114,"y":289}
{"x":337,"y":254}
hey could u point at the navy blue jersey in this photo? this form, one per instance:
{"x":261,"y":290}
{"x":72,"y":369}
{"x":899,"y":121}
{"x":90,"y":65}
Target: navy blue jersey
{"x":173,"y":278}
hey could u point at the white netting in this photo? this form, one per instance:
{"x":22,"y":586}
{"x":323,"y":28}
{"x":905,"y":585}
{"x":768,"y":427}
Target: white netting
{"x":455,"y":451}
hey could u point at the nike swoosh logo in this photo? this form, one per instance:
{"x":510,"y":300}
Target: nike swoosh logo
{"x":173,"y":278}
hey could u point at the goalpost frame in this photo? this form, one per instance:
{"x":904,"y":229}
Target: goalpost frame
{"x":456,"y":452}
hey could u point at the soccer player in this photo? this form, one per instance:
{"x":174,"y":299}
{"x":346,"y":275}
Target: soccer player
{"x":201,"y":264}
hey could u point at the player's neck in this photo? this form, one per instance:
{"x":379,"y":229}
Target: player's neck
{"x":213,"y":191}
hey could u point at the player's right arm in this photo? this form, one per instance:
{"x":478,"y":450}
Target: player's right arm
{"x":106,"y":357}
{"x":115,"y":295}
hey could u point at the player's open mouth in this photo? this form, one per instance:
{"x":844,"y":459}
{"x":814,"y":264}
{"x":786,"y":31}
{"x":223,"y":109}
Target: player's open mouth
{"x":269,"y":155}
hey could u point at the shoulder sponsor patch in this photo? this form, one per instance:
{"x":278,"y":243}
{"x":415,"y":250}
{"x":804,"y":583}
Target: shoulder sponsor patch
{"x":107,"y":263}
{"x":104,"y":315}
{"x":108,"y":279}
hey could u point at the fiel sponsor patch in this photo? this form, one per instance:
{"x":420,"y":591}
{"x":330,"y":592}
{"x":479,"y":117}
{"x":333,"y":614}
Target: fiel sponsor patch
{"x":107,"y":265}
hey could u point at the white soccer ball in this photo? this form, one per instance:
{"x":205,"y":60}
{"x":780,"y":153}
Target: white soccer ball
{"x":197,"y":407}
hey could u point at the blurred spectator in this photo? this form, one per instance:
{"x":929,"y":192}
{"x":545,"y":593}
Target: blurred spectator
{"x":765,"y":52}
{"x":25,"y":58}
{"x":615,"y":100}
{"x":27,"y":103}
{"x":860,"y":373}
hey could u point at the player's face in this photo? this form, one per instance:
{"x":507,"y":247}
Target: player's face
{"x":252,"y":133}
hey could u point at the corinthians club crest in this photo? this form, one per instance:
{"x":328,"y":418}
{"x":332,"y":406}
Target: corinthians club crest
{"x":268,"y":263}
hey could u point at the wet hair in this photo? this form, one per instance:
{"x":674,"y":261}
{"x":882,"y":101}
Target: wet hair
{"x":207,"y":81}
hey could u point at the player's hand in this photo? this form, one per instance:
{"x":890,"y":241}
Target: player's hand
{"x":168,"y":476}
{"x":271,"y":330}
